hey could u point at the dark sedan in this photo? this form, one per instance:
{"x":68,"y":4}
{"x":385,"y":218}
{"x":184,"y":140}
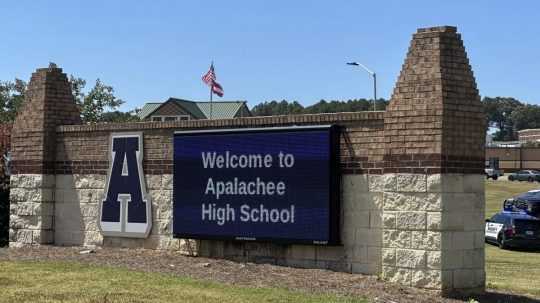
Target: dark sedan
{"x":525,"y":175}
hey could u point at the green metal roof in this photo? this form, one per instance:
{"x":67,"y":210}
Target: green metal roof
{"x":147,"y":109}
{"x":200,"y":110}
{"x":220,"y":109}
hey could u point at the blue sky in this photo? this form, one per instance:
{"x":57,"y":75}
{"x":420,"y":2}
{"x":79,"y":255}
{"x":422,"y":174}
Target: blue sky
{"x":263,"y":50}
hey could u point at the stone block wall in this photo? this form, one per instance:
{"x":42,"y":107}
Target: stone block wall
{"x":433,"y":230}
{"x":77,"y":213}
{"x":412,"y":195}
{"x":77,"y":200}
{"x":31,"y":209}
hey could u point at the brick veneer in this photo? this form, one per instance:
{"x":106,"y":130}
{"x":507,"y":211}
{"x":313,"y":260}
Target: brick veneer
{"x":83,"y":149}
{"x":48,"y":103}
{"x":435,"y":108}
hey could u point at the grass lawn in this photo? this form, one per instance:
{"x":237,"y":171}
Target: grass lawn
{"x":60,"y":282}
{"x":517,"y":271}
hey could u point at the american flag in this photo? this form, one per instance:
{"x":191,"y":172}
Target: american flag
{"x":210,"y":76}
{"x":217,"y":89}
{"x":210,"y":79}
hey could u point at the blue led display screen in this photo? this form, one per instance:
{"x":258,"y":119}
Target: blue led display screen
{"x":277,"y":184}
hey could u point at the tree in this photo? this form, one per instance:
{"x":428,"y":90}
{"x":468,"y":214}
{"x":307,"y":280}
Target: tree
{"x":274,"y":108}
{"x":285,"y":108}
{"x":524,"y":117}
{"x":498,"y":111}
{"x":94,"y":103}
{"x":11,"y":99}
{"x":118,"y":116}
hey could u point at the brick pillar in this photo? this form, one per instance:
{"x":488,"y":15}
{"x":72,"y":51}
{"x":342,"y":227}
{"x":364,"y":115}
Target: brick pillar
{"x":48,"y":103}
{"x":433,"y":201}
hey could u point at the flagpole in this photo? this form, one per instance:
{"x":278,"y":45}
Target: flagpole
{"x":211,"y":93}
{"x":211,"y":101}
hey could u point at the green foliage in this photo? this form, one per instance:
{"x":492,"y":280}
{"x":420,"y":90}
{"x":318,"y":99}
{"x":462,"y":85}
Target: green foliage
{"x":94,"y":103}
{"x":275,"y":108}
{"x":526,"y":116}
{"x":498,"y":111}
{"x":355,"y":105}
{"x":118,"y":116}
{"x":284,"y":107}
{"x":11,"y":99}
{"x":509,"y":116}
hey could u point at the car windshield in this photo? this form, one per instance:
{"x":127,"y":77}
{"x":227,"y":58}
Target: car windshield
{"x":534,"y":172}
{"x":523,"y":204}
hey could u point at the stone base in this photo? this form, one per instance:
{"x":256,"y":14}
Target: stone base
{"x":414,"y":229}
{"x":433,"y":230}
{"x":31,"y":209}
{"x":77,"y":207}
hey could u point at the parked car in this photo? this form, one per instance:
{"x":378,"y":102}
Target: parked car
{"x":492,"y":168}
{"x":513,"y":229}
{"x":528,"y":202}
{"x":493,"y":173}
{"x":525,"y":175}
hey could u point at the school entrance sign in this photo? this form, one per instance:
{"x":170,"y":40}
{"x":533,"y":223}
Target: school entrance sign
{"x":412,"y":179}
{"x":279,"y":184}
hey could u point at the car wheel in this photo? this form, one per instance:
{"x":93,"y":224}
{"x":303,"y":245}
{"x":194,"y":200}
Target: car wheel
{"x":511,"y":178}
{"x":530,"y":179}
{"x":494,"y":177}
{"x":502,"y":241}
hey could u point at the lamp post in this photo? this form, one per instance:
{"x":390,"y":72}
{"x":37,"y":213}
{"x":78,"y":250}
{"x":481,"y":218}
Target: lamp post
{"x":374,"y":81}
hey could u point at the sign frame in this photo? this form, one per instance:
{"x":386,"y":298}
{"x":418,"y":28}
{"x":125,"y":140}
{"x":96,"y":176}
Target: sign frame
{"x":334,"y":193}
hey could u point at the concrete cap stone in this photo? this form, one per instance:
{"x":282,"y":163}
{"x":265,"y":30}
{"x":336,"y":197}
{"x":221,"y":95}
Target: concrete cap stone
{"x":438,"y":29}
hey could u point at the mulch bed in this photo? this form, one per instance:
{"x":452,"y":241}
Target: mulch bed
{"x":245,"y":274}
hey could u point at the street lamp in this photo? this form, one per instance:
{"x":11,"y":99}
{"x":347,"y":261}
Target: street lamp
{"x":374,"y":81}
